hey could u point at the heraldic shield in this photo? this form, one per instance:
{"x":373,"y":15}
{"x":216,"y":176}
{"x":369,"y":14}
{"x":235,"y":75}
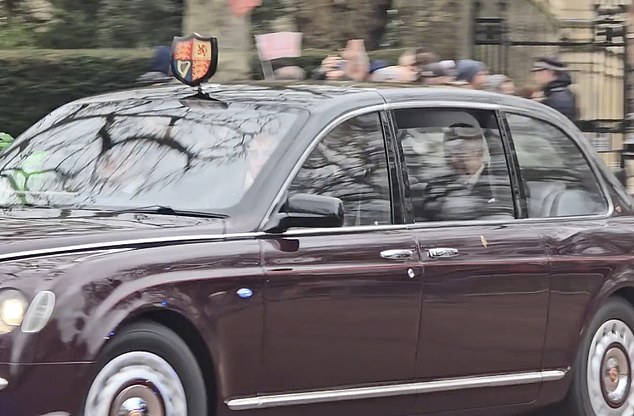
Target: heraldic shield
{"x":194,"y":58}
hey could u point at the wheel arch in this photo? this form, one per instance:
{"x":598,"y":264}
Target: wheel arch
{"x":626,"y":293}
{"x":188,"y":332}
{"x":623,"y":288}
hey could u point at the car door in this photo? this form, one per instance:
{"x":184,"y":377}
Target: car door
{"x":342,"y":306}
{"x":566,"y":204}
{"x":485,"y":279}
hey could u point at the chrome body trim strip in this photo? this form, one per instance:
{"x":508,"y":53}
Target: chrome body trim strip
{"x":124,"y":244}
{"x":128,"y":243}
{"x":305,"y":232}
{"x":3,"y":384}
{"x":293,"y":399}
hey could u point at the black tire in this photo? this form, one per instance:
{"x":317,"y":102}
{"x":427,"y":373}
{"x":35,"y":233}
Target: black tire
{"x":579,"y":401}
{"x":150,"y":337}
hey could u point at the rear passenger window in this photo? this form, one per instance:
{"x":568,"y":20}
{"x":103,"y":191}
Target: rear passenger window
{"x":456,"y":165}
{"x":557,"y":179}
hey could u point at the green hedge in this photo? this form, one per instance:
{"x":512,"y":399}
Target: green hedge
{"x":33,"y":82}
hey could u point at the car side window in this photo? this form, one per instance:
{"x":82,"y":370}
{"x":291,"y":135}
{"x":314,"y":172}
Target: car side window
{"x":557,"y":179}
{"x":456,"y":165}
{"x":350,"y":163}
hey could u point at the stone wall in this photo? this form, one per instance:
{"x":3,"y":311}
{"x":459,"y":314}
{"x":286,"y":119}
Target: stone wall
{"x":435,"y":24}
{"x":328,"y":24}
{"x":446,"y":26}
{"x":527,"y":21}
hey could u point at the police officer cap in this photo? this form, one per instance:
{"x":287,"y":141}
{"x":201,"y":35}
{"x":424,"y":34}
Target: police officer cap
{"x":548,"y":63}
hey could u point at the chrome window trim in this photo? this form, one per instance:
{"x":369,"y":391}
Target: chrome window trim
{"x":589,"y":160}
{"x":445,"y":104}
{"x":185,"y":239}
{"x":438,"y":224}
{"x":443,"y":385}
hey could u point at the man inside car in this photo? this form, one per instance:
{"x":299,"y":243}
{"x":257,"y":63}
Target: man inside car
{"x":469,"y":195}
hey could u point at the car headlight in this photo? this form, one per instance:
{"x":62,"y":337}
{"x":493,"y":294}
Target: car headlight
{"x":13,"y":306}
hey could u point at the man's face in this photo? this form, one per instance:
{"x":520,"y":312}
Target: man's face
{"x":465,"y":156}
{"x":507,"y":87}
{"x":408,"y":70}
{"x":479,"y":80}
{"x":543,"y":77}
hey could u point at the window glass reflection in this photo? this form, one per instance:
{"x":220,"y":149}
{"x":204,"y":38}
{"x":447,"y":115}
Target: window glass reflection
{"x":191,"y":156}
{"x":557,"y":179}
{"x":456,"y":165}
{"x":350,"y":164}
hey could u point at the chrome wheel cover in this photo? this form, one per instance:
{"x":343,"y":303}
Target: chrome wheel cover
{"x":136,"y":383}
{"x":609,"y":370}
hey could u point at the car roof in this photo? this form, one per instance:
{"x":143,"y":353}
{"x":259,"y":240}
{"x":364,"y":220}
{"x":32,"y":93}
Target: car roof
{"x":304,"y":95}
{"x":312,"y":94}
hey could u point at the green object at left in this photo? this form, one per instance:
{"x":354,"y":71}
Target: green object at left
{"x":5,"y":140}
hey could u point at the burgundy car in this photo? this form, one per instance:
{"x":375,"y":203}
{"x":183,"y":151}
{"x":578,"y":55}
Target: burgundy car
{"x":272,"y":249}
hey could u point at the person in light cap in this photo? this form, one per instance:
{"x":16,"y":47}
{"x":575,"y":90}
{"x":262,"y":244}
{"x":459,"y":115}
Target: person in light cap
{"x":500,"y":83}
{"x":553,"y":78}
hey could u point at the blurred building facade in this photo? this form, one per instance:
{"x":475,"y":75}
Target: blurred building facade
{"x":600,"y":73}
{"x":500,"y":22}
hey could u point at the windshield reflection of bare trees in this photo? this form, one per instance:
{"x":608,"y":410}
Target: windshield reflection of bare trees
{"x":143,"y":147}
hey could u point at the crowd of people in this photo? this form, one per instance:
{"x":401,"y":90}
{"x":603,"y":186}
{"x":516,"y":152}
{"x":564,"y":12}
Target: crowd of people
{"x":551,"y":77}
{"x":550,"y":86}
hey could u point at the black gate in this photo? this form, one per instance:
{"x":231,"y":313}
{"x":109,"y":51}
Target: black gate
{"x":494,"y":40}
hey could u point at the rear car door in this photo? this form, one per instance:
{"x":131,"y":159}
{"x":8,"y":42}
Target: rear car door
{"x":485,"y":279}
{"x":342,"y":306}
{"x":565,"y":203}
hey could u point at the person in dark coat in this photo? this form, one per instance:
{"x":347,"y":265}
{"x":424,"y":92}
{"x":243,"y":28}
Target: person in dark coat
{"x":552,"y":76}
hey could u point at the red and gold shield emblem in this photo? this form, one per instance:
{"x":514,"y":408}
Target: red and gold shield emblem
{"x":194,"y":58}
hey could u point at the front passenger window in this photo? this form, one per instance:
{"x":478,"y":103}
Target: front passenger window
{"x":350,"y":163}
{"x":557,"y":179}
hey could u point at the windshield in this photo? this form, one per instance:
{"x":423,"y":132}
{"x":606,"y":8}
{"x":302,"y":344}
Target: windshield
{"x":194,"y":155}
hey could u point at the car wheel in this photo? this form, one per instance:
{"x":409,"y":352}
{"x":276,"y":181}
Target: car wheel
{"x":602,"y":375}
{"x":147,"y":369}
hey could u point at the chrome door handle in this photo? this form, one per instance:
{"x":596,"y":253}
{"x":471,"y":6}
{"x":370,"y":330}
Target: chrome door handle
{"x":397,"y":254}
{"x":441,"y":252}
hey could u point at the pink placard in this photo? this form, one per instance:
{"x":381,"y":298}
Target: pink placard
{"x":279,"y":45}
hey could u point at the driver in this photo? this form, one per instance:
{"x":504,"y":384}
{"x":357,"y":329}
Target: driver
{"x":259,"y":151}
